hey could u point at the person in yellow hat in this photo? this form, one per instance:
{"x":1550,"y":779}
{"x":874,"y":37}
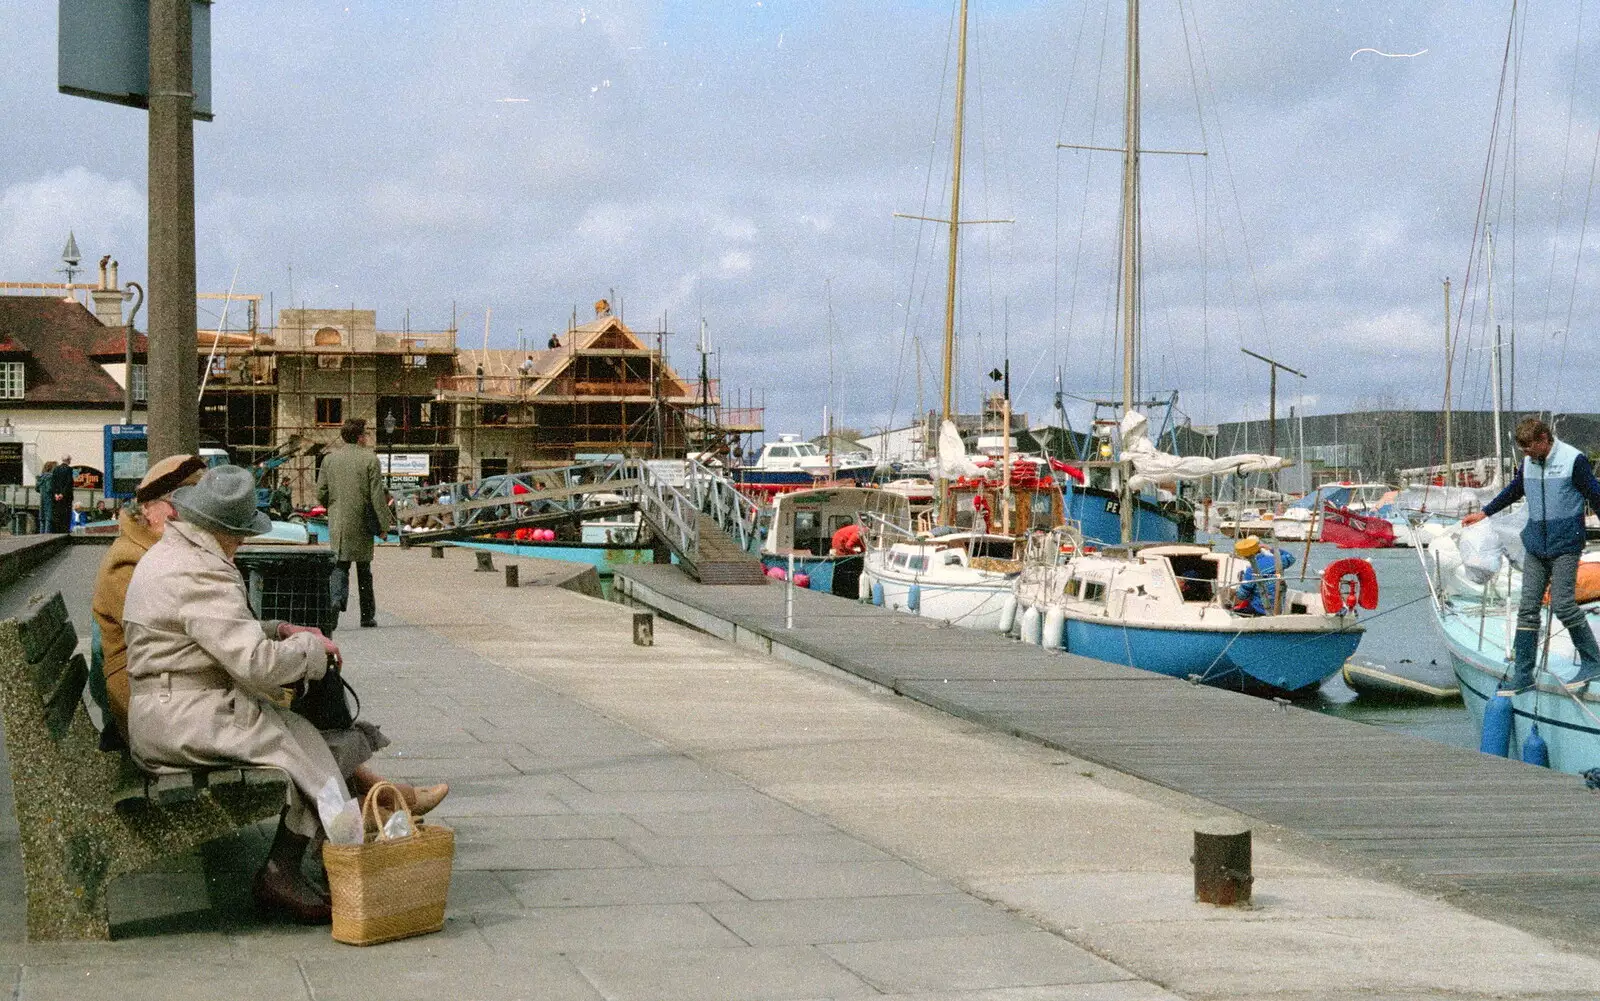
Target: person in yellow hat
{"x":1257,"y":593}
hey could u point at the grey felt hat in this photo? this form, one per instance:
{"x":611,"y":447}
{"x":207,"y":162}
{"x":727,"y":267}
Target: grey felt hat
{"x":223,"y":501}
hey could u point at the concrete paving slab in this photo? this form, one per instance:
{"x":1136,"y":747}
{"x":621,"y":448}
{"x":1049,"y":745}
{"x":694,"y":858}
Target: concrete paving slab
{"x":767,"y":818}
{"x":1020,"y":959}
{"x":178,"y":978}
{"x":829,"y":879}
{"x":373,"y":975}
{"x":544,"y":853}
{"x":748,"y":849}
{"x":601,"y":887}
{"x":664,"y":773}
{"x":615,"y":928}
{"x":643,"y":801}
{"x":862,"y":919}
{"x":560,"y":826}
{"x":1122,"y":990}
{"x":753,"y":974}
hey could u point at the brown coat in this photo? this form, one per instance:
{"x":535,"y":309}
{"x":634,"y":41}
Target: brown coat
{"x":350,"y":486}
{"x":202,"y":671}
{"x":110,"y":591}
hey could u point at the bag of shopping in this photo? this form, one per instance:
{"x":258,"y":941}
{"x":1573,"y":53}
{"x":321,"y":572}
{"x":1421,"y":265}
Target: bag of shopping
{"x":393,"y":885}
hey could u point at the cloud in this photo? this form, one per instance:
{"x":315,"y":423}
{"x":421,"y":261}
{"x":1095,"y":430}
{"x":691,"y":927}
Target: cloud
{"x":37,"y":214}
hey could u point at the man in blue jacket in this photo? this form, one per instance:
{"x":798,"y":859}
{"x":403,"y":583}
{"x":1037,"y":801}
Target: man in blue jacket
{"x":1257,"y":593}
{"x":1556,"y":479}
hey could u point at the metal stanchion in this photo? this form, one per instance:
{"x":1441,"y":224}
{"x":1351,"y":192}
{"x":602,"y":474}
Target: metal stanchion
{"x":788,"y":598}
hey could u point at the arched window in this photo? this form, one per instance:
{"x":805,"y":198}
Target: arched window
{"x":327,"y":337}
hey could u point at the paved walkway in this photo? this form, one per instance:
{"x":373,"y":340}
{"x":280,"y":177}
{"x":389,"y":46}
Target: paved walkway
{"x":694,"y":821}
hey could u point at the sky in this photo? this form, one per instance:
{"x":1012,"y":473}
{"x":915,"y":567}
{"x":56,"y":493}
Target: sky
{"x":743,"y":162}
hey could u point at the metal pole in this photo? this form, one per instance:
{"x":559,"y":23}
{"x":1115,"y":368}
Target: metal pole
{"x":1272,"y":412}
{"x":788,"y":597}
{"x":127,"y":357}
{"x":173,"y":411}
{"x":1449,"y":456}
{"x":945,"y":514}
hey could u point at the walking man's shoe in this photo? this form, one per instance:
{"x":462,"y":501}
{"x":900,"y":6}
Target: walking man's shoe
{"x":368,"y":623}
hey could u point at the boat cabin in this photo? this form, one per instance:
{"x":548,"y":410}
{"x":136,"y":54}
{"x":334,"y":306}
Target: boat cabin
{"x":804,"y":521}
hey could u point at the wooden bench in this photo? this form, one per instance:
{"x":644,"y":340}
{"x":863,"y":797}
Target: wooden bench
{"x":86,"y":817}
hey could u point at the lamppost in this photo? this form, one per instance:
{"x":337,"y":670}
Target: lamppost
{"x":388,"y":433}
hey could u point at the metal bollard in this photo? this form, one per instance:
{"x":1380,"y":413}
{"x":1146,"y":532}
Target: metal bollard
{"x":485,"y":562}
{"x":1222,"y":865}
{"x":437,"y":552}
{"x":644,"y":629}
{"x":511,"y":575}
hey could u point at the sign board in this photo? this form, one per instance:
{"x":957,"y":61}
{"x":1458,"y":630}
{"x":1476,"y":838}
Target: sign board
{"x":407,"y":465}
{"x":11,"y":463}
{"x":103,"y":52}
{"x":674,"y":472}
{"x":127,"y":459}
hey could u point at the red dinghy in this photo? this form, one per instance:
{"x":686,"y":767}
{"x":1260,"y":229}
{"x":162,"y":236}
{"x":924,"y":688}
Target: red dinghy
{"x":1349,"y":530}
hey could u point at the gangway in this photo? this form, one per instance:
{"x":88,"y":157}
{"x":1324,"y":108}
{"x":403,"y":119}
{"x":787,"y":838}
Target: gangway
{"x":689,"y":508}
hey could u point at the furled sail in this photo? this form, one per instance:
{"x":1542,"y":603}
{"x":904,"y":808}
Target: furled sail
{"x":953,"y":461}
{"x":1152,"y":466}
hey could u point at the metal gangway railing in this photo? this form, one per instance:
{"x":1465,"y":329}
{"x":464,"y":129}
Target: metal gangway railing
{"x":673,"y":497}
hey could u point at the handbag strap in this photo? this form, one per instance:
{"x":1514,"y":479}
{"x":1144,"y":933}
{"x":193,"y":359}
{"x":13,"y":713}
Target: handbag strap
{"x":372,"y":810}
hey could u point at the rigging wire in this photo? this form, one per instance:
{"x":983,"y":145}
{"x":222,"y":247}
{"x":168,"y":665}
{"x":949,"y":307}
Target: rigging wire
{"x":1561,"y":204}
{"x":907,"y":335}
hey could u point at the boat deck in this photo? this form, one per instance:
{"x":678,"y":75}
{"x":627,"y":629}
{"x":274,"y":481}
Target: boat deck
{"x":1506,"y":840}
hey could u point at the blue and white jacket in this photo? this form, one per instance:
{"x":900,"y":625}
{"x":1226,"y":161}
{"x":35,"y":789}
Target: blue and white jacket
{"x":1556,"y":489}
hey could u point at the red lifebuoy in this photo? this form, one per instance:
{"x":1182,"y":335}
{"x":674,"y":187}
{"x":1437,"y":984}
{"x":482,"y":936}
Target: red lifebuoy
{"x":1349,"y":582}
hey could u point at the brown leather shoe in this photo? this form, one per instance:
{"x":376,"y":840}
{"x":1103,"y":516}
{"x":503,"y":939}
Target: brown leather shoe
{"x":290,"y":895}
{"x":420,"y":801}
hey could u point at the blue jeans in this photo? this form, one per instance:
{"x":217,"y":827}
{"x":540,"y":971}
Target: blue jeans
{"x":1560,"y":573}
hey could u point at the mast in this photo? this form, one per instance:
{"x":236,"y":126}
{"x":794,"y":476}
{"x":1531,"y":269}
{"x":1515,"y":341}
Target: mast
{"x":1130,"y":251}
{"x":1130,"y":212}
{"x":955,"y":231}
{"x":1494,"y":360}
{"x":1449,"y":456}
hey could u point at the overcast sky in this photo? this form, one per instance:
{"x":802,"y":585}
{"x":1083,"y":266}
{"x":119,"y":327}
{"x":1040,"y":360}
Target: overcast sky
{"x":742,"y":161}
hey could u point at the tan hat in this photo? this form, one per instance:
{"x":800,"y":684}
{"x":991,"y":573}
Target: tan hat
{"x":168,"y":475}
{"x":1247,"y":546}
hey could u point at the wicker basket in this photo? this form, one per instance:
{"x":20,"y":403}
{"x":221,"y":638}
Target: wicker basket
{"x":389,"y":889}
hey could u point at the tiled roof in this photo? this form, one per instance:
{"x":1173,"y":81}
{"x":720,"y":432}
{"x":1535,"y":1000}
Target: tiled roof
{"x":60,"y":337}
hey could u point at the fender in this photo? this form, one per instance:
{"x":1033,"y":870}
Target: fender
{"x":1349,"y":582}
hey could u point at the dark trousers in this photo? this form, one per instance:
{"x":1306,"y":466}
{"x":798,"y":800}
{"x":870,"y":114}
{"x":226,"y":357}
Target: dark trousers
{"x":341,"y":588}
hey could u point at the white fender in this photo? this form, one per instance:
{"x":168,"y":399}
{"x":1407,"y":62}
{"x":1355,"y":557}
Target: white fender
{"x":1008,"y":614}
{"x":864,"y":587}
{"x":1031,"y":620}
{"x":1054,"y":632}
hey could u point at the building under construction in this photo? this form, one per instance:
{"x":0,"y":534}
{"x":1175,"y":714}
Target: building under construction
{"x":438,"y":414}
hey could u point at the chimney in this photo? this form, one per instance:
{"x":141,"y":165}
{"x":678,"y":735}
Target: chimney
{"x":108,"y":297}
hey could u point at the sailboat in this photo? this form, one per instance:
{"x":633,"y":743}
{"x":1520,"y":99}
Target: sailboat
{"x":962,"y":571}
{"x":1170,"y":608}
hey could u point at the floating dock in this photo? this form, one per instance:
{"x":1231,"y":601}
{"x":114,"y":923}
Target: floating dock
{"x":1501,"y":838}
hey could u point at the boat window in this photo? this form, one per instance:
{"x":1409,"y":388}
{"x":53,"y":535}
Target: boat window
{"x":898,"y":560}
{"x":781,"y":452}
{"x":837,"y":522}
{"x":1073,"y":586}
{"x":952,"y":558}
{"x":806,"y":532}
{"x":917,"y":564}
{"x":1093,"y":590}
{"x":1196,"y":575}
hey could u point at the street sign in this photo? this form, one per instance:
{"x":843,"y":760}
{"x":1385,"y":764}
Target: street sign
{"x":103,"y":52}
{"x":412,"y":465}
{"x":127,"y":459}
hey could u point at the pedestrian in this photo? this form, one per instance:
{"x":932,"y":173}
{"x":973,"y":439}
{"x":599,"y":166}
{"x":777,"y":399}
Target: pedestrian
{"x":61,"y":484}
{"x":350,"y":486}
{"x":45,"y":505}
{"x":1556,"y":479}
{"x":1257,"y":593}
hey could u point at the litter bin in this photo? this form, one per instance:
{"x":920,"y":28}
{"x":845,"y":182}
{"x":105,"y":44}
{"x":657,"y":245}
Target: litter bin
{"x":292,"y":583}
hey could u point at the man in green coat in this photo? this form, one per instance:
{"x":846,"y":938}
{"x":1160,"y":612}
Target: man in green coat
{"x":350,"y":486}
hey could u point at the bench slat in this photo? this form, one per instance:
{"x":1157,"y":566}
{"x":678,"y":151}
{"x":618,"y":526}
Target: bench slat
{"x":38,"y":630}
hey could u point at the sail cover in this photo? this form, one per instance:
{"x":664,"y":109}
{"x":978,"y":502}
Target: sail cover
{"x":1152,"y":466}
{"x":953,"y":461}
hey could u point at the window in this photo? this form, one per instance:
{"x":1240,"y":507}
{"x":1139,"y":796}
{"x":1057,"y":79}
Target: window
{"x":330,"y":362}
{"x":1071,"y":588}
{"x":781,"y":452}
{"x":493,"y":467}
{"x":11,"y":380}
{"x":330,"y":410}
{"x":494,"y":413}
{"x":141,"y":383}
{"x":917,"y":564}
{"x":1094,"y":591}
{"x":327,"y":337}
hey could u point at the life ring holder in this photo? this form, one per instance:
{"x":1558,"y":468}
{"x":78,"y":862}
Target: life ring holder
{"x":1349,"y":583}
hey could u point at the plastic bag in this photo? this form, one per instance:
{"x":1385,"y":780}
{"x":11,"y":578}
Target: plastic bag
{"x":341,"y":817}
{"x":1481,"y":551}
{"x":1508,"y":524}
{"x":398,"y":826}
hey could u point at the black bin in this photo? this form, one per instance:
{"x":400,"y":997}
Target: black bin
{"x":292,"y":583}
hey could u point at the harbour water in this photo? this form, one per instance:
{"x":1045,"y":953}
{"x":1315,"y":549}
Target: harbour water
{"x":1400,"y":632}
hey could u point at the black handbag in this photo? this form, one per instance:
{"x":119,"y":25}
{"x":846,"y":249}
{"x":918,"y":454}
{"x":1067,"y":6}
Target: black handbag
{"x":323,"y":702}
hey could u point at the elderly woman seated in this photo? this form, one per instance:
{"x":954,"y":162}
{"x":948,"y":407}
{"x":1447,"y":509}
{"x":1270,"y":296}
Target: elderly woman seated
{"x":205,"y":677}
